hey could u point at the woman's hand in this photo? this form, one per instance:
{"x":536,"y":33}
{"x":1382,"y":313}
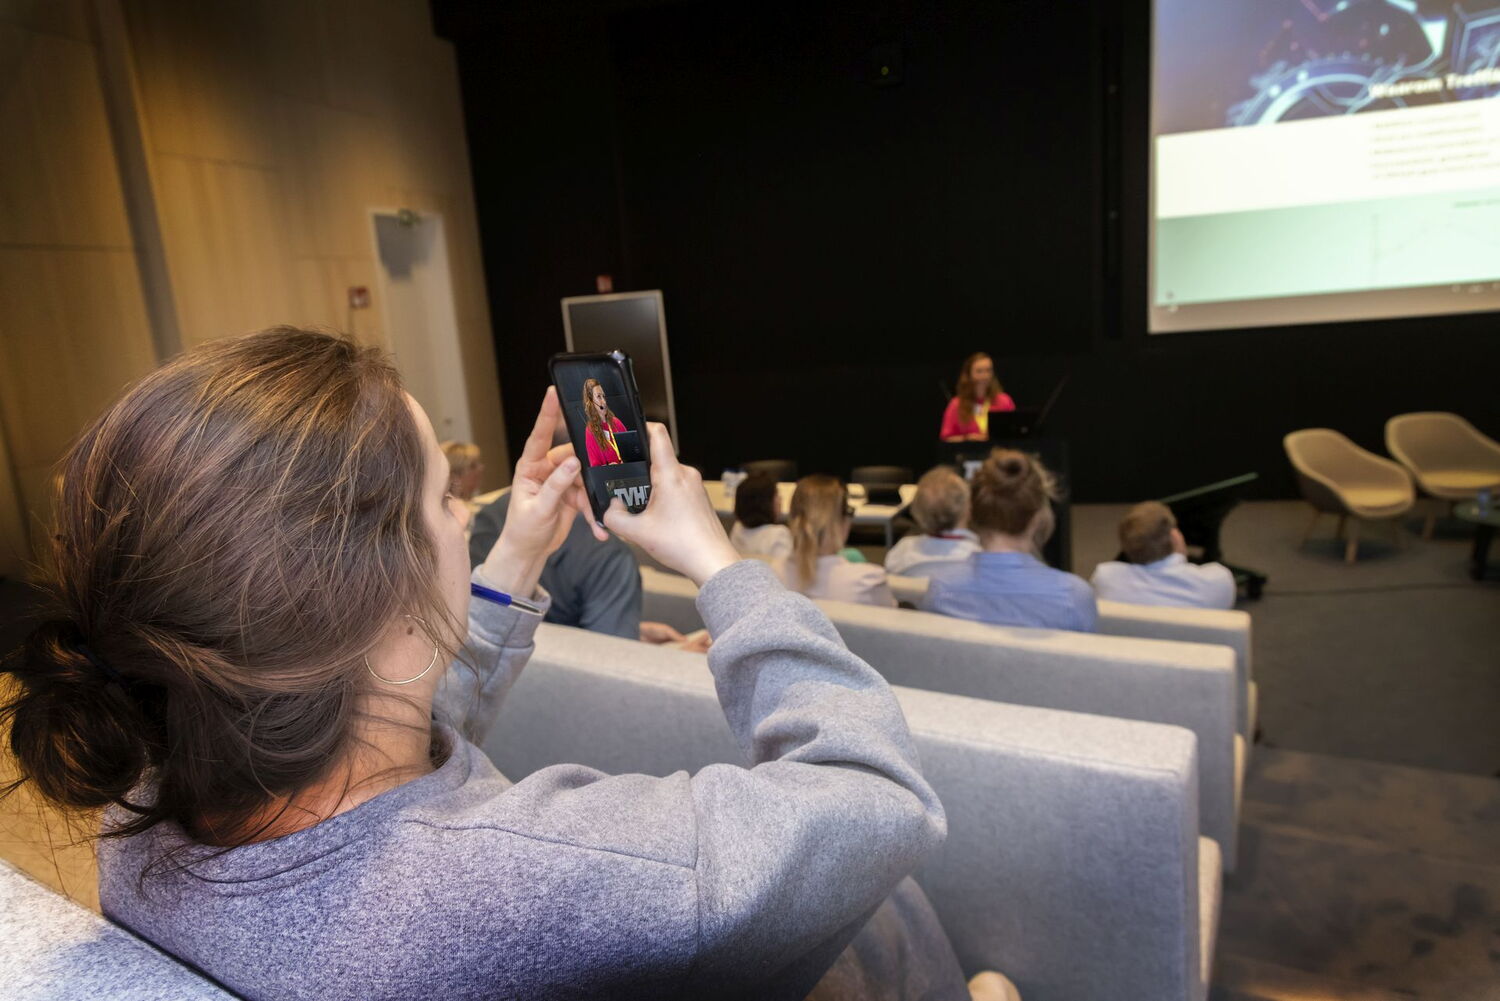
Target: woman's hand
{"x":659,"y":633}
{"x":679,"y":527}
{"x":545,"y":496}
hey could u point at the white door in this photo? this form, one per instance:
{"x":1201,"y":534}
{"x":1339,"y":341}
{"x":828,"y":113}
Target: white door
{"x":421,"y":323}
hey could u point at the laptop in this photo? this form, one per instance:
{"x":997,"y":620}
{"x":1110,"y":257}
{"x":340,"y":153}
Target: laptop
{"x":629,"y":444}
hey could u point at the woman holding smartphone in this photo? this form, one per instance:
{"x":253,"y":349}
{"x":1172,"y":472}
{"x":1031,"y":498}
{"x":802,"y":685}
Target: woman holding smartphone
{"x":602,"y":425}
{"x":257,"y":585}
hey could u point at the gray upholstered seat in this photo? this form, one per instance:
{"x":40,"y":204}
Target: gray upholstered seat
{"x":1193,"y":685}
{"x":1229,"y":628}
{"x":1073,"y":862}
{"x":52,"y":949}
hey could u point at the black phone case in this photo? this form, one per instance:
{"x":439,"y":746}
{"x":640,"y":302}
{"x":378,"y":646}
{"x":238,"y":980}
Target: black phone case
{"x":598,"y":501}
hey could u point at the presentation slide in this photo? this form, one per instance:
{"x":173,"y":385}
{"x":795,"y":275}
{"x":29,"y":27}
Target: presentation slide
{"x":1323,"y":160}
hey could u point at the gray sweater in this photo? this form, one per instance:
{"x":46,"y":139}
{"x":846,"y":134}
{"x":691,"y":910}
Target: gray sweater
{"x":734,"y":882}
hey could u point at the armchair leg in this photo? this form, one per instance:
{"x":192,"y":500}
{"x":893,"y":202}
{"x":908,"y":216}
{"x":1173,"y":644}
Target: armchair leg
{"x":1351,"y":551}
{"x":1307,"y":534}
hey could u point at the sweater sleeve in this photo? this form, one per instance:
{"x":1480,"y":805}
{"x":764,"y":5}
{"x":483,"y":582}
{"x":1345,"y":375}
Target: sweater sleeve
{"x":499,"y":645}
{"x":795,"y":852}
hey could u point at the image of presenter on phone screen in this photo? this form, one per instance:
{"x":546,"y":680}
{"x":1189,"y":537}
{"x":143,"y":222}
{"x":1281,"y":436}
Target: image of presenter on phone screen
{"x":602,"y":423}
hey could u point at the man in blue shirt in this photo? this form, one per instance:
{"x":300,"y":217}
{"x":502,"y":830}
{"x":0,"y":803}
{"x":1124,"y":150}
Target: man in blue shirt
{"x":1005,"y":583}
{"x":1159,"y":572}
{"x":594,"y":585}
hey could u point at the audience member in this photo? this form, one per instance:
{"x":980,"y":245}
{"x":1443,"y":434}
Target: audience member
{"x":594,"y":585}
{"x":941,"y":511}
{"x":465,"y":468}
{"x":1006,"y":583}
{"x":757,"y":508}
{"x":820,"y":522}
{"x":1159,"y":572}
{"x":254,"y":686}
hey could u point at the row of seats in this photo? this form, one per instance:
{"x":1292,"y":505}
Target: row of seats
{"x":1073,"y":861}
{"x":1176,"y":680}
{"x":1091,"y":785}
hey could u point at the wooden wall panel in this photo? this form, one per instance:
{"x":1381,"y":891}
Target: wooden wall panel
{"x":226,"y":231}
{"x":275,"y":128}
{"x":58,"y":184}
{"x":75,"y":336}
{"x":205,"y":71}
{"x":68,"y":18}
{"x":15,"y":541}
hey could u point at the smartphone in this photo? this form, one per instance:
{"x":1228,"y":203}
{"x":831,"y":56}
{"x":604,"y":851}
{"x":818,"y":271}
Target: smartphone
{"x":602,"y":408}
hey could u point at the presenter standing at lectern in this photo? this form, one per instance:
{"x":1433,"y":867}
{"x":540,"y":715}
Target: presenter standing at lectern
{"x":979,"y":392}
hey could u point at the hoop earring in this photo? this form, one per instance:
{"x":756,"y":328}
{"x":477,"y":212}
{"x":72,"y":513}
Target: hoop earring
{"x":430,"y":664}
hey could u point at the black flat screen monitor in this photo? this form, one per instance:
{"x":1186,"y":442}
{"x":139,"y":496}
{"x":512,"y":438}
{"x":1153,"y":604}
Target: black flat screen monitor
{"x":635,"y":323}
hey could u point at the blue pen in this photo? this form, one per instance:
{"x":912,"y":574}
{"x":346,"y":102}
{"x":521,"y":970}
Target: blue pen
{"x":501,"y":598}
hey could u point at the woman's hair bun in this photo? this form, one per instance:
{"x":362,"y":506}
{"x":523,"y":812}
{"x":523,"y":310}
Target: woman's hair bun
{"x":1003,"y":469}
{"x":77,"y":734}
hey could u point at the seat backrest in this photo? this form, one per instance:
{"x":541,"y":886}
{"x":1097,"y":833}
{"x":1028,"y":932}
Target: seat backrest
{"x":1223,"y":627}
{"x":1197,"y":678}
{"x":782,"y":470}
{"x":1229,"y":628}
{"x":1072,"y":850}
{"x":1436,"y":440}
{"x":884,"y":475}
{"x":1329,"y":457}
{"x":54,"y":948}
{"x":1192,"y":685}
{"x":670,"y":598}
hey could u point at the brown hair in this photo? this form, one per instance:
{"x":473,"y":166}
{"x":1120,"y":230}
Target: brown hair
{"x":597,"y":423}
{"x":966,"y":386}
{"x":820,"y":506}
{"x":1146,"y":532}
{"x":942,"y":501}
{"x":461,"y":455}
{"x":1009,"y":490}
{"x":232,"y":536}
{"x":755,"y":500}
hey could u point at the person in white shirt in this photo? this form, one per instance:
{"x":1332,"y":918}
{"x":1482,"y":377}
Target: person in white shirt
{"x":819,"y":523}
{"x":941,"y":511}
{"x":757,"y":509}
{"x":1159,"y":572}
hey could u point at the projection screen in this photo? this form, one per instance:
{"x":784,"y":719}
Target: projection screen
{"x":1323,"y":160}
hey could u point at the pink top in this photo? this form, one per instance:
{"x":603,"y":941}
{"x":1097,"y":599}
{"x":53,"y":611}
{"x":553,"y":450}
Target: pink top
{"x":959,"y":420}
{"x":608,"y":453}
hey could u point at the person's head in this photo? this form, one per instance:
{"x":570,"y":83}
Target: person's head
{"x":464,"y":468}
{"x":595,"y":407}
{"x":1012,"y":495}
{"x":819,"y":521}
{"x":234,"y":537}
{"x":756,"y":501}
{"x":942,"y":501}
{"x":1149,"y":533}
{"x":976,"y":380}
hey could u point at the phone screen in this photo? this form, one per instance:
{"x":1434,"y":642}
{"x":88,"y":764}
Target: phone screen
{"x":602,"y":409}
